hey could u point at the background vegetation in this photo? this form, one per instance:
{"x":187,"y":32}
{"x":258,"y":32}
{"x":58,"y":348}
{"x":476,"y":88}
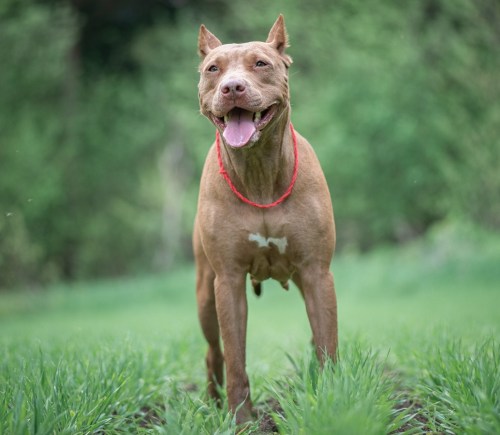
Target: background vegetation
{"x":101,"y":144}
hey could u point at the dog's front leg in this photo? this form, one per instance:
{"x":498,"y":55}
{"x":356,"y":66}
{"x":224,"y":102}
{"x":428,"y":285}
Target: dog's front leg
{"x":317,"y":287}
{"x":231,"y":303}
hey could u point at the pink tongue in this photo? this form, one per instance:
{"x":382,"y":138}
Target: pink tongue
{"x":239,"y":128}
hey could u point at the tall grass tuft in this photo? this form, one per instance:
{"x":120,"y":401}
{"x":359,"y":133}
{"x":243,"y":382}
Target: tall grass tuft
{"x":461,"y":387}
{"x":352,"y":396}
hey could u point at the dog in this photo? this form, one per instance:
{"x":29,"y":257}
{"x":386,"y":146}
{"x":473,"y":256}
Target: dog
{"x":264,"y":207}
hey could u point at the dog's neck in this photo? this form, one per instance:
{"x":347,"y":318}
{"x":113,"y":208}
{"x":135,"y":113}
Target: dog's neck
{"x":263,"y":171}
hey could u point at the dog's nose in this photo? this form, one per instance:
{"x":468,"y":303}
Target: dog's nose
{"x":233,"y":87}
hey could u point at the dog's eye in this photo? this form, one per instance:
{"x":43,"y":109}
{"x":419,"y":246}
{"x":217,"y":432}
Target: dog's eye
{"x":213,"y":68}
{"x":260,"y":63}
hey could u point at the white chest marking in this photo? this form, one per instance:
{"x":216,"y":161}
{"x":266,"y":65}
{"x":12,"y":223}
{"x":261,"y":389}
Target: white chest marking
{"x":262,"y":242}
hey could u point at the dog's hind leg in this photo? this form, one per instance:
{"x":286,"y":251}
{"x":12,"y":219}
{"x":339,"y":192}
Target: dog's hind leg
{"x":207,"y":315}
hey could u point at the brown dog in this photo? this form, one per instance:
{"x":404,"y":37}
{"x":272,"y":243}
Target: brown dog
{"x":264,"y":207}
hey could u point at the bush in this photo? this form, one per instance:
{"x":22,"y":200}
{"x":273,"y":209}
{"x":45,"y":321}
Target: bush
{"x":101,"y":156}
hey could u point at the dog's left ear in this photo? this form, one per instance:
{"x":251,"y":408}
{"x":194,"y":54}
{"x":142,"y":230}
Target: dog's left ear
{"x":278,"y":38}
{"x":207,"y":41}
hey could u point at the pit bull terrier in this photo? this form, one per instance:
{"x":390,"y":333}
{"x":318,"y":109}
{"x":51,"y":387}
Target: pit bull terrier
{"x":264,"y":208}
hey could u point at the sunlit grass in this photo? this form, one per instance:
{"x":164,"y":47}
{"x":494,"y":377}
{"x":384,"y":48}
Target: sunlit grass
{"x":353,"y":396}
{"x":460,"y":386}
{"x":418,"y":353}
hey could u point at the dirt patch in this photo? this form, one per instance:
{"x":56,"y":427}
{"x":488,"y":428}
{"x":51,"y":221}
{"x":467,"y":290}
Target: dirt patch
{"x":267,"y":423}
{"x":417,"y":418}
{"x":191,"y":388}
{"x":148,"y":417}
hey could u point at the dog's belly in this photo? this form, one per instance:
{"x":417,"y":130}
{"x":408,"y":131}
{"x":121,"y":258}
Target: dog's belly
{"x":270,"y":263}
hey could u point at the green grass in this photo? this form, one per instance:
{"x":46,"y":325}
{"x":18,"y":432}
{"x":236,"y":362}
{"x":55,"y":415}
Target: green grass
{"x":419,"y":351}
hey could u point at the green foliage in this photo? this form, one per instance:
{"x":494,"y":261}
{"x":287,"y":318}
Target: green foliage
{"x":101,"y":157}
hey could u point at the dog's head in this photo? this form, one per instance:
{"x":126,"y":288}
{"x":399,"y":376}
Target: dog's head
{"x":243,"y":88}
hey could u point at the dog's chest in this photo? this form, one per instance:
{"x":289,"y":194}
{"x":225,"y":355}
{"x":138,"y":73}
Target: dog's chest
{"x":280,"y":243}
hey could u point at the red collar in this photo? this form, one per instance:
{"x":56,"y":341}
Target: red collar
{"x":287,"y":193}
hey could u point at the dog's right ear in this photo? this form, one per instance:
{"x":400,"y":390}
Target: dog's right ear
{"x":206,"y":41}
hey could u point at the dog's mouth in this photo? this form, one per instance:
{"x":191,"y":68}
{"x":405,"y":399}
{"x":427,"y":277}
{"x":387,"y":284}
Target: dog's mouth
{"x":241,"y":127}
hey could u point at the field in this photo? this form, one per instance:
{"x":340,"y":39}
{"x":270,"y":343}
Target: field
{"x":419,"y":351}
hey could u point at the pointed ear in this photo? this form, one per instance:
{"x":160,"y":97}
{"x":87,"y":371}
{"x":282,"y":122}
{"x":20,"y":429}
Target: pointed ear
{"x":206,"y":41}
{"x":278,"y":38}
{"x":277,"y":35}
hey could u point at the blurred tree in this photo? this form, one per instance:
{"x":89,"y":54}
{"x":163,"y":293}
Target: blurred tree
{"x":34,"y":45}
{"x":461,"y":49}
{"x":101,"y":143}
